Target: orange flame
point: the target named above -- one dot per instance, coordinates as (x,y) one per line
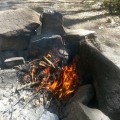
(66,82)
(45,79)
(33,73)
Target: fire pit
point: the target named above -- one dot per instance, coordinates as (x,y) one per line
(65,76)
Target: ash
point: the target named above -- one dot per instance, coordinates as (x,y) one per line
(22,104)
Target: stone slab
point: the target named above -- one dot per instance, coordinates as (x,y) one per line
(52,23)
(40,45)
(14,61)
(82,35)
(81,32)
(17,27)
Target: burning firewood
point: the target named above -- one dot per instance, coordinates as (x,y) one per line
(27,85)
(49,62)
(49,73)
(44,64)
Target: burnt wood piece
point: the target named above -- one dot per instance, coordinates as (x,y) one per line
(105,75)
(49,62)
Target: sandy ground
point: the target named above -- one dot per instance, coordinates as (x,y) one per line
(80,14)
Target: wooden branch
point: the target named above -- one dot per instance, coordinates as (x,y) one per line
(49,62)
(44,64)
(27,85)
(35,60)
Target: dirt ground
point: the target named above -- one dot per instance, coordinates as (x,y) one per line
(77,14)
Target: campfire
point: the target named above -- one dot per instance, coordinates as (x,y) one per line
(52,73)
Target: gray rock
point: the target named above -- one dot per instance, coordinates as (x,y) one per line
(14,61)
(106,78)
(5,55)
(41,45)
(17,27)
(78,111)
(8,54)
(49,116)
(8,78)
(82,35)
(52,23)
(1,61)
(84,94)
(38,30)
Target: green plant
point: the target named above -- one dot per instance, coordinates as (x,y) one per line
(113,6)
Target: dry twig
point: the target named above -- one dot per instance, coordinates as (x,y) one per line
(27,85)
(44,64)
(49,62)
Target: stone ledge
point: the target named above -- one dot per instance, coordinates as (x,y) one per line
(17,27)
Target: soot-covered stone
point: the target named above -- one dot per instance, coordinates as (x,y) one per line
(105,76)
(52,23)
(41,45)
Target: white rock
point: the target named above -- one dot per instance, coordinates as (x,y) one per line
(49,116)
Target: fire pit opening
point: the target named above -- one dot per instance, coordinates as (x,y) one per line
(53,76)
(53,73)
(57,74)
